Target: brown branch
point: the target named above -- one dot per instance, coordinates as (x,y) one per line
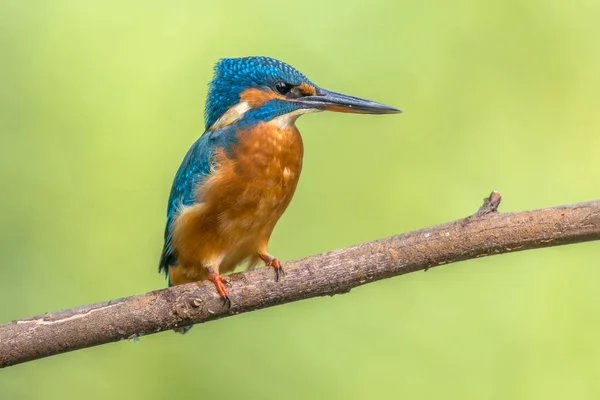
(487,232)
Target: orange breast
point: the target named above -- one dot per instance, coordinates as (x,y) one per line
(242,200)
(252,189)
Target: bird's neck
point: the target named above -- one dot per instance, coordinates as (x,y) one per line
(243,115)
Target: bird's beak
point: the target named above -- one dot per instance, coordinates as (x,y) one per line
(332,101)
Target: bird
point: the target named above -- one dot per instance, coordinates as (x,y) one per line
(239,176)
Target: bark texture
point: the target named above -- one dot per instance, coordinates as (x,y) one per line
(487,232)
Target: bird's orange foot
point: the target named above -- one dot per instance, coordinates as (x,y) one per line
(220,282)
(273,263)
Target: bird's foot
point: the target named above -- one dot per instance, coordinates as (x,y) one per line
(273,263)
(219,283)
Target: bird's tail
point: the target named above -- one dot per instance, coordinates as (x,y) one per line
(183,330)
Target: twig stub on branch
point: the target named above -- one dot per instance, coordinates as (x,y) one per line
(490,204)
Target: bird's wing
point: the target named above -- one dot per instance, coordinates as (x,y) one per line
(194,168)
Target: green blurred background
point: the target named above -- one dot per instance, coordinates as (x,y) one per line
(99,101)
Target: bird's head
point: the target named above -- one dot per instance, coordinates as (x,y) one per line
(262,88)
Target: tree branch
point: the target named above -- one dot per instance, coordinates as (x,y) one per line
(485,233)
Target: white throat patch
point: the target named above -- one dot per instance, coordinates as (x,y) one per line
(285,120)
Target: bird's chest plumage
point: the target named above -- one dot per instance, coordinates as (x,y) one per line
(255,180)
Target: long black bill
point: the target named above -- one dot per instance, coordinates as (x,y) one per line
(332,101)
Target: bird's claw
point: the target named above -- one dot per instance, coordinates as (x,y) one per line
(279,272)
(226,301)
(275,264)
(220,283)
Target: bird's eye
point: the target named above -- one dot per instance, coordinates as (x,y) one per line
(283,88)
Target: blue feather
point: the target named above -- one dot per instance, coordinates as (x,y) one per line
(194,168)
(234,75)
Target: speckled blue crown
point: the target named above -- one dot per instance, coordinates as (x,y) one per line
(234,75)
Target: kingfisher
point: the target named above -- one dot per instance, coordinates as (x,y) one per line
(239,176)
